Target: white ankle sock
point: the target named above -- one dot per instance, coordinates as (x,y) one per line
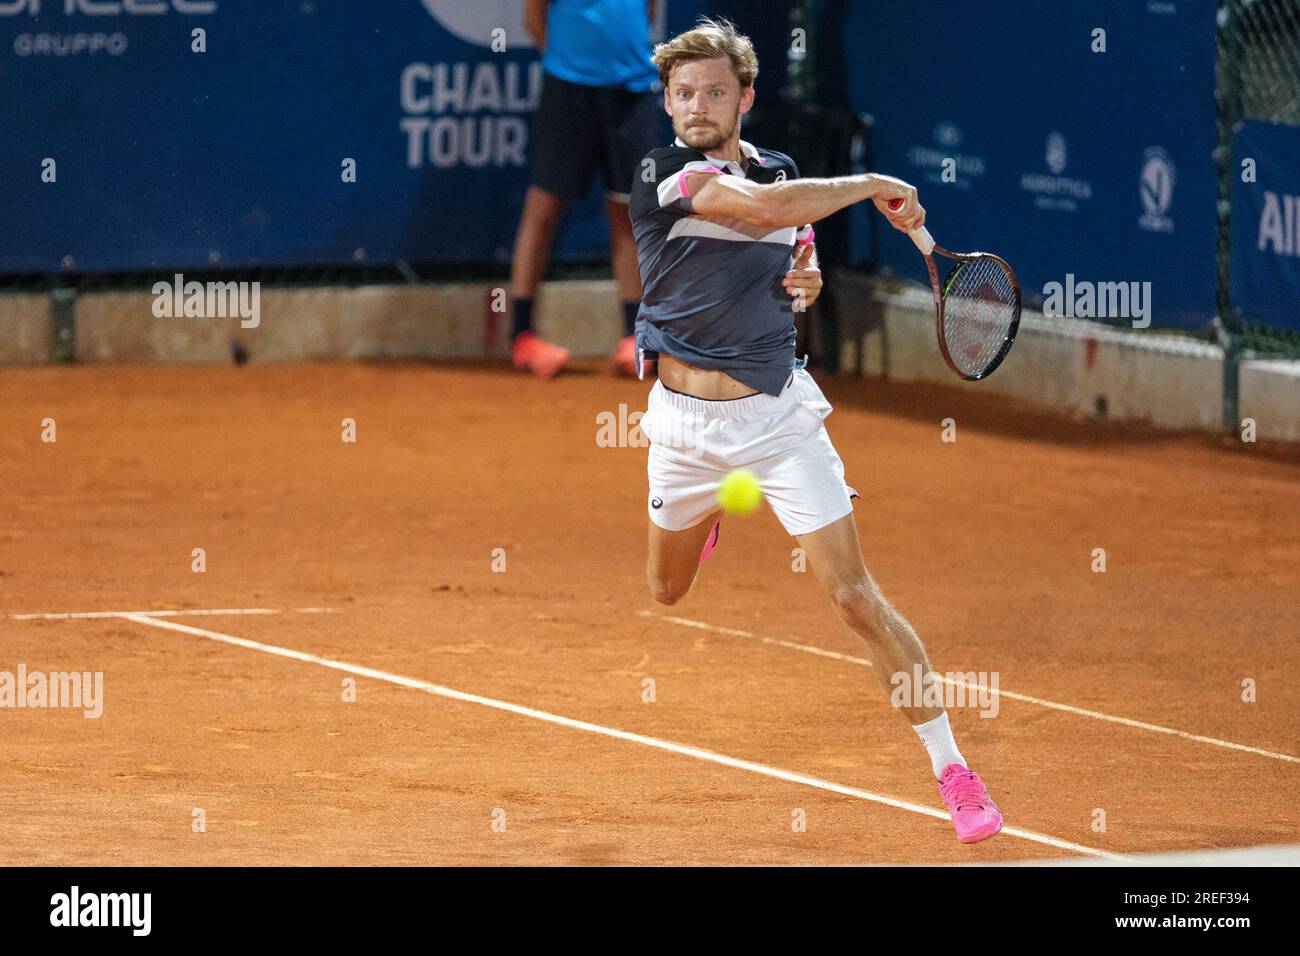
(937,736)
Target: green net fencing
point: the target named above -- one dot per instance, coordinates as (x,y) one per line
(1258,77)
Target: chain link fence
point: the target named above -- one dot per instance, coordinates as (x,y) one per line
(1257,77)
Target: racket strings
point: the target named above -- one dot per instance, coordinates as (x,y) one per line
(979,311)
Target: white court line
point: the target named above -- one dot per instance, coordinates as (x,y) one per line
(203,612)
(1010,695)
(659,744)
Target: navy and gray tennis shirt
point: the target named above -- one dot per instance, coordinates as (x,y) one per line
(712,290)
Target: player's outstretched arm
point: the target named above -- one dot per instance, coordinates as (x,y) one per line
(800,201)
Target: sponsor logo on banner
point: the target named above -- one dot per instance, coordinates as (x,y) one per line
(474,20)
(1056,153)
(942,163)
(90,43)
(472,114)
(1279,224)
(1051,190)
(1156,188)
(468,114)
(947,134)
(105,8)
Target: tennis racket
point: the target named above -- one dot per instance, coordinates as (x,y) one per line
(977,306)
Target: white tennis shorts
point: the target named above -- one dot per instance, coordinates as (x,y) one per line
(781,439)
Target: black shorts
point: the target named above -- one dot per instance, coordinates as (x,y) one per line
(579,129)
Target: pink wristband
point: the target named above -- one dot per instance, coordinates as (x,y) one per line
(681,179)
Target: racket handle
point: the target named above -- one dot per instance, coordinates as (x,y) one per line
(920,236)
(923,240)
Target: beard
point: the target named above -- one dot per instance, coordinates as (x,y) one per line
(710,136)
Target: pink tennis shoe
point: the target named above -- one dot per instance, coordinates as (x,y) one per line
(712,542)
(974,815)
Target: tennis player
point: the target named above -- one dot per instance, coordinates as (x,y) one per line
(725,245)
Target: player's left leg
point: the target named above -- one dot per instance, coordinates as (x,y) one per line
(675,559)
(683,470)
(836,557)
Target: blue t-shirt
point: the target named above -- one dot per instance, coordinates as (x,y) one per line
(600,43)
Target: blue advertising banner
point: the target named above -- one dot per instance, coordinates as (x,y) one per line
(1075,140)
(1266,224)
(138,134)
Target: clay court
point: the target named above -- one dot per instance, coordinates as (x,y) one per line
(516,696)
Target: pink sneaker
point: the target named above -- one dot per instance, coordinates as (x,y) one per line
(974,815)
(538,356)
(712,542)
(623,361)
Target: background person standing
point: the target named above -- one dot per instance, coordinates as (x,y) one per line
(599,112)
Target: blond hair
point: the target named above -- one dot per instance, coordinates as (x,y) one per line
(709,40)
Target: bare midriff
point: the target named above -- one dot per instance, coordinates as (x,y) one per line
(710,384)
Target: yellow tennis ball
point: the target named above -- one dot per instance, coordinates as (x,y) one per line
(739,493)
